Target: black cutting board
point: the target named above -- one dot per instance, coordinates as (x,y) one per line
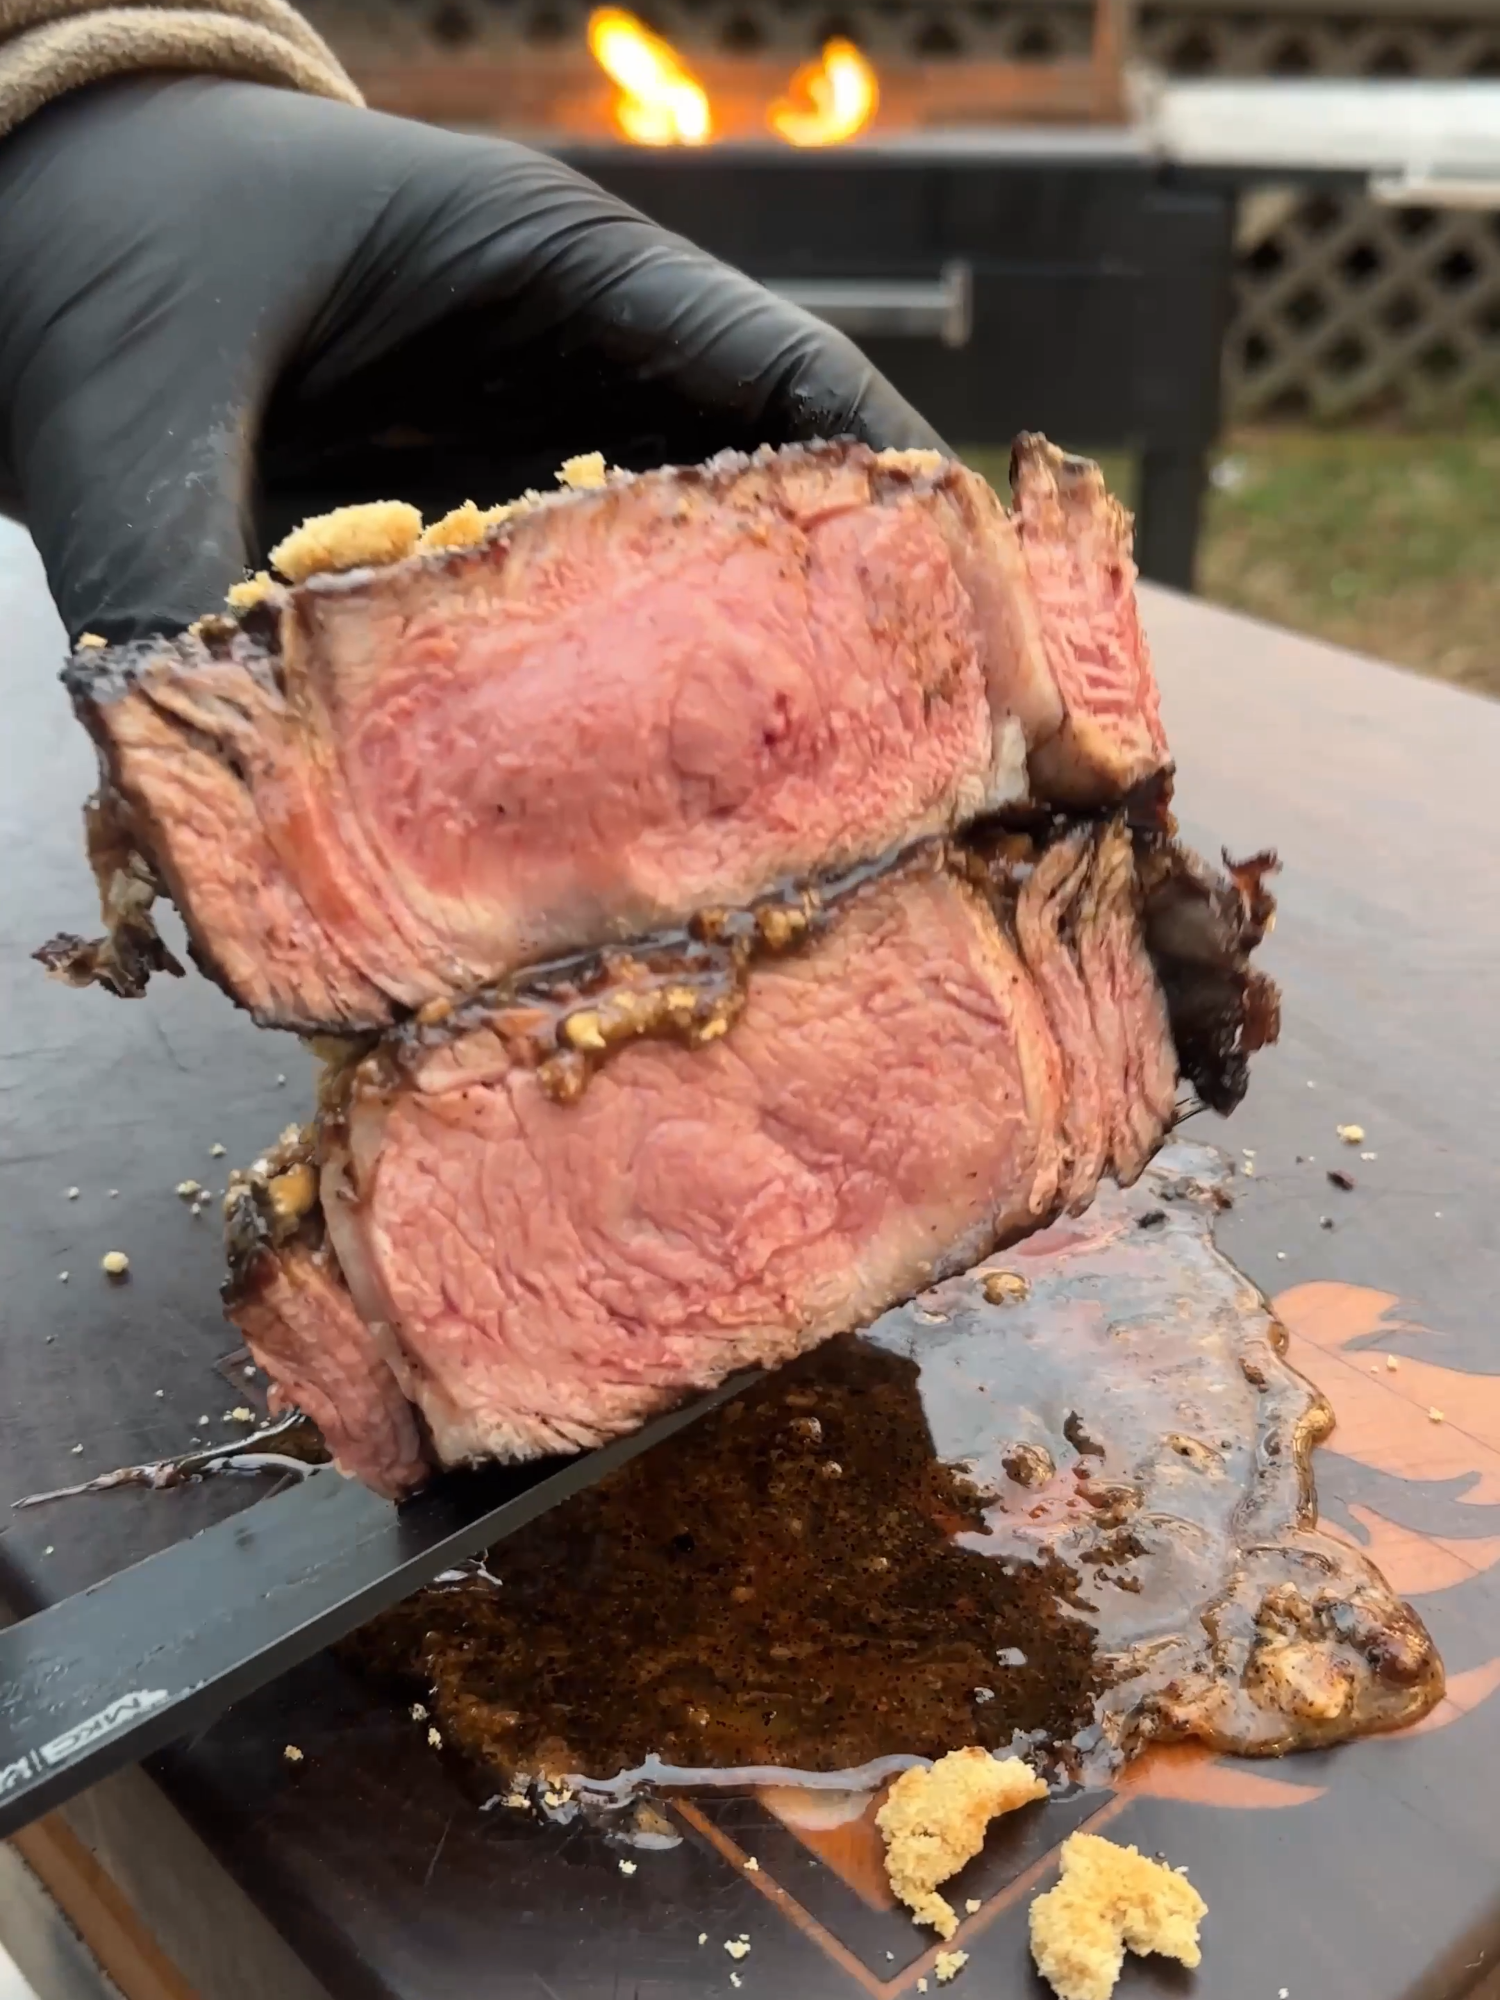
(1372,1873)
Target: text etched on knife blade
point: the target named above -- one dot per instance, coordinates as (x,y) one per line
(124,1709)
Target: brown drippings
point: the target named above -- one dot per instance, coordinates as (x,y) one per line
(1083,1515)
(725,1602)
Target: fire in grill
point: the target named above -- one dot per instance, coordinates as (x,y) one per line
(609,74)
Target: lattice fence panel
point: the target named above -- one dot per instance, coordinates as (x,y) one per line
(1343,307)
(1199,41)
(1185,40)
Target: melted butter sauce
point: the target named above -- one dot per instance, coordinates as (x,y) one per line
(1062,1503)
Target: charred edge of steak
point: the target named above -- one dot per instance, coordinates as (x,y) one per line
(1200,928)
(567,1016)
(269,1205)
(118,838)
(123,960)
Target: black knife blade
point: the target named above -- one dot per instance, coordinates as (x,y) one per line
(107,1676)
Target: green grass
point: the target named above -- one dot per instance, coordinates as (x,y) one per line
(1384,540)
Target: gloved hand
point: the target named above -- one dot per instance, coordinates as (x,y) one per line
(223,306)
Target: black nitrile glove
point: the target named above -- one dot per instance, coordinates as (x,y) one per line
(224,305)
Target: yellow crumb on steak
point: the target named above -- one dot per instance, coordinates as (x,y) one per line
(584,472)
(465,527)
(254,589)
(379,531)
(918,462)
(934,1820)
(1109,1898)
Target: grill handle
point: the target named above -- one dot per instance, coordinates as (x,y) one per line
(889,308)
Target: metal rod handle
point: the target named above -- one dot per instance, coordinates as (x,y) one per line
(889,308)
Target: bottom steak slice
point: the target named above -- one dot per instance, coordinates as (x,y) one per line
(555,1215)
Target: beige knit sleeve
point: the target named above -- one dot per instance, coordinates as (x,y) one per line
(51,46)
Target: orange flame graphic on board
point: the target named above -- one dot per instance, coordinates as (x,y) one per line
(1413,1419)
(1385,1423)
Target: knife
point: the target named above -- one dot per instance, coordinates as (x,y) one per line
(105,1677)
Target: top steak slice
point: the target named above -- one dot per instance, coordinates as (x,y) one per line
(388,787)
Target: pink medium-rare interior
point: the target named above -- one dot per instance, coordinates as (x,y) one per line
(625,705)
(600,730)
(323,1359)
(195,753)
(879,1113)
(1076,541)
(919,1082)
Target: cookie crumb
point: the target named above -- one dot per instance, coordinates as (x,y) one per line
(369,533)
(292,1754)
(1107,1898)
(114,1263)
(584,473)
(973,1904)
(1352,1135)
(1435,1417)
(934,1819)
(435,1738)
(418,1712)
(752,1865)
(737,1948)
(627,1867)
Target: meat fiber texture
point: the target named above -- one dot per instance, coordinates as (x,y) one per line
(734,898)
(389,787)
(537,1264)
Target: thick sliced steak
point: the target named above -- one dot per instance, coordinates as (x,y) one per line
(577,1199)
(389,787)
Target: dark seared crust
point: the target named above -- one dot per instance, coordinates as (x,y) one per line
(1200,929)
(685,985)
(119,831)
(123,960)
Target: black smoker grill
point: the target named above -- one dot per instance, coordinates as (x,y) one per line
(1007,273)
(1006,281)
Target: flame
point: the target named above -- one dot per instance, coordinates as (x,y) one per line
(661,102)
(842,90)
